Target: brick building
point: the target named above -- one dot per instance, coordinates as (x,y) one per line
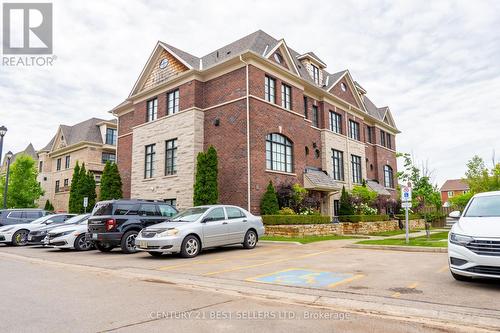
(451,188)
(271,113)
(92,142)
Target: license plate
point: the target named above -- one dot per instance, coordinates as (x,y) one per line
(143,244)
(94,236)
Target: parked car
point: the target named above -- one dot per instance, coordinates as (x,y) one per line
(37,236)
(17,216)
(199,228)
(474,241)
(71,235)
(117,222)
(17,234)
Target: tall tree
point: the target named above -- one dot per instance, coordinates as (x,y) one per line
(345,205)
(74,190)
(24,188)
(206,190)
(111,183)
(269,203)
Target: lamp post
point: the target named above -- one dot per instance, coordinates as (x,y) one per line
(3,130)
(9,157)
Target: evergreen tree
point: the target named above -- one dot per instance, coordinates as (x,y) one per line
(116,185)
(74,190)
(269,203)
(48,206)
(345,207)
(111,183)
(89,191)
(106,182)
(206,190)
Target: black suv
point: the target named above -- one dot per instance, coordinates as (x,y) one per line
(117,222)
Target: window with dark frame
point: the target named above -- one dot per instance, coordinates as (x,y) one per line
(57,186)
(388,176)
(338,164)
(356,169)
(315,71)
(152,109)
(67,162)
(315,116)
(335,122)
(354,130)
(149,161)
(270,89)
(111,136)
(382,138)
(286,96)
(58,164)
(369,134)
(173,102)
(108,157)
(66,182)
(388,141)
(40,166)
(171,157)
(279,153)
(305,108)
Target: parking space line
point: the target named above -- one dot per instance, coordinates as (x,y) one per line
(355,277)
(237,268)
(216,260)
(411,286)
(443,269)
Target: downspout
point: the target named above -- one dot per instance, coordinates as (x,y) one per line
(248,131)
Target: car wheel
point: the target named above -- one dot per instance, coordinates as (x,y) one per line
(155,254)
(250,239)
(82,243)
(191,246)
(128,242)
(459,277)
(20,237)
(103,247)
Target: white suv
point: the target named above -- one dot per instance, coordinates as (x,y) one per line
(474,241)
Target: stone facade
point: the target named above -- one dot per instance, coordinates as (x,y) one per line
(187,128)
(343,228)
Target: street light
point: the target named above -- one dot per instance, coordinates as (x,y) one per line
(9,157)
(3,130)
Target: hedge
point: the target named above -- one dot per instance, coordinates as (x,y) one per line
(363,218)
(296,219)
(413,216)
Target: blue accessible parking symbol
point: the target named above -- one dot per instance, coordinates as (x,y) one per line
(305,278)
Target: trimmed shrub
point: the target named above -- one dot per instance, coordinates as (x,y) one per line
(296,219)
(269,203)
(412,216)
(286,211)
(363,218)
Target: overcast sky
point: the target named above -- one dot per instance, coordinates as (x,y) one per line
(434,63)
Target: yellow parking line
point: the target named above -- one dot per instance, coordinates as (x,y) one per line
(443,269)
(237,268)
(355,277)
(411,286)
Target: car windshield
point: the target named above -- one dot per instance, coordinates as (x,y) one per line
(42,219)
(488,206)
(189,215)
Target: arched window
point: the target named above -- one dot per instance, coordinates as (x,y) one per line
(279,153)
(388,177)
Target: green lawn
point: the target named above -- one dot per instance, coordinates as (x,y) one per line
(393,232)
(436,240)
(305,239)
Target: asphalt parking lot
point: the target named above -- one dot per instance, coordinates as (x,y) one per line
(325,269)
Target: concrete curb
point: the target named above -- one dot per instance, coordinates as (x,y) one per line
(399,248)
(280,242)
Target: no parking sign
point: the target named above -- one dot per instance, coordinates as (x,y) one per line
(405,193)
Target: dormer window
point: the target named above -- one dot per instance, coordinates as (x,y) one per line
(315,71)
(278,58)
(111,136)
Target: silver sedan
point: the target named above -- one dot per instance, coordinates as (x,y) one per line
(199,228)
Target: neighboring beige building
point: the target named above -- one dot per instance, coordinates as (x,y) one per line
(92,142)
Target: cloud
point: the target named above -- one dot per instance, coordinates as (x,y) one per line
(434,63)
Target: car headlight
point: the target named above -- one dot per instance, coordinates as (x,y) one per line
(460,239)
(67,232)
(168,232)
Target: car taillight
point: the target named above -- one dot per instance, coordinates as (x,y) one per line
(110,224)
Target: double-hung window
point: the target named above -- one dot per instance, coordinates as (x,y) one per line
(338,164)
(270,89)
(354,130)
(315,116)
(173,102)
(356,169)
(286,96)
(315,71)
(171,157)
(151,111)
(149,161)
(335,122)
(111,136)
(67,162)
(388,177)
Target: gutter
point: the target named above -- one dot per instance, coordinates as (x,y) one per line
(248,131)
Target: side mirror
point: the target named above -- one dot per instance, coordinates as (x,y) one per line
(206,219)
(48,222)
(455,214)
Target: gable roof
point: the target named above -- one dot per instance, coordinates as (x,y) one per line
(454,185)
(87,131)
(312,56)
(29,150)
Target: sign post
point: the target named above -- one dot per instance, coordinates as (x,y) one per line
(406,204)
(85,203)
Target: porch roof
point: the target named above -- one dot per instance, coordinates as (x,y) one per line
(320,181)
(377,188)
